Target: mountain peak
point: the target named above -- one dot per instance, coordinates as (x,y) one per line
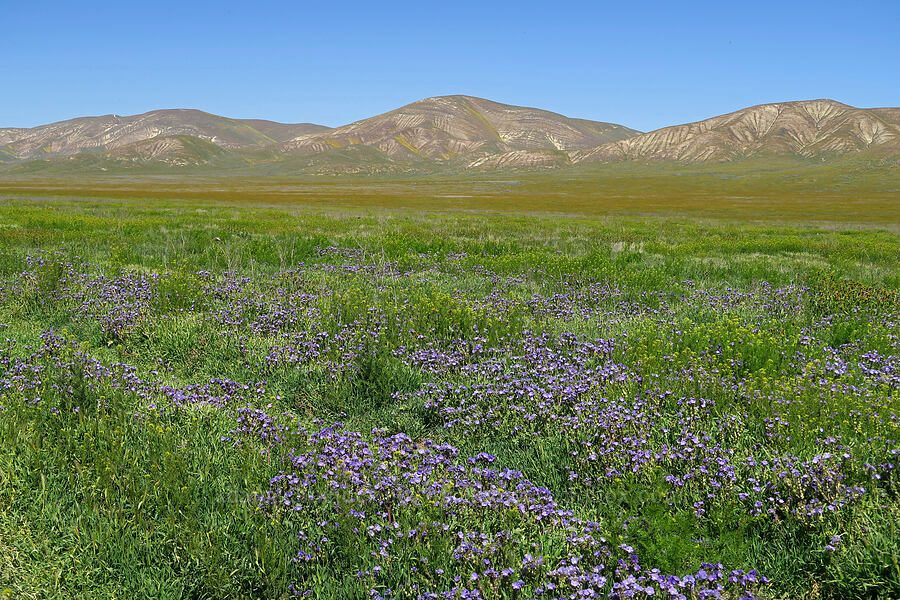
(445,128)
(108,132)
(454,131)
(807,128)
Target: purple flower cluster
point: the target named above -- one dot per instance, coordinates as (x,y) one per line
(400,502)
(698,403)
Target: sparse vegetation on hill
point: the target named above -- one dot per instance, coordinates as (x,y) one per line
(448,134)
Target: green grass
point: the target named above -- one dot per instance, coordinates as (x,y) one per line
(97,504)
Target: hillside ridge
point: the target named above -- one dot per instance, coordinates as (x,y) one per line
(451,133)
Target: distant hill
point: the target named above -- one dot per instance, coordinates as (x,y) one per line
(445,133)
(170,149)
(444,128)
(811,129)
(100,134)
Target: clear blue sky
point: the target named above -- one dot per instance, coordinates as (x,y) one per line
(641,64)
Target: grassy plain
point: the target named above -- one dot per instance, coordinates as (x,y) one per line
(748,316)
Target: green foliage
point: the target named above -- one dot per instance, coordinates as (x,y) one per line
(178,290)
(144,508)
(834,294)
(112,506)
(10,264)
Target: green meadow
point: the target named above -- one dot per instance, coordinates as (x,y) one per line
(566,384)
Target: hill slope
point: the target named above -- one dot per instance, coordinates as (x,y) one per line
(449,134)
(448,127)
(99,134)
(814,128)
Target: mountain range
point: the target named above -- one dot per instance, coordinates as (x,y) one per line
(445,132)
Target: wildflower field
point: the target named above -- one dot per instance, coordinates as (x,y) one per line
(203,400)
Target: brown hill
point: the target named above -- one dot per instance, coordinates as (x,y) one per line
(98,134)
(447,127)
(446,133)
(814,128)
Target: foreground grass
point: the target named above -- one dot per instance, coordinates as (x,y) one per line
(112,490)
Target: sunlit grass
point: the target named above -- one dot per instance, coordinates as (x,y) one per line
(752,333)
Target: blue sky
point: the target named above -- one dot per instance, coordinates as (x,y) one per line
(641,64)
